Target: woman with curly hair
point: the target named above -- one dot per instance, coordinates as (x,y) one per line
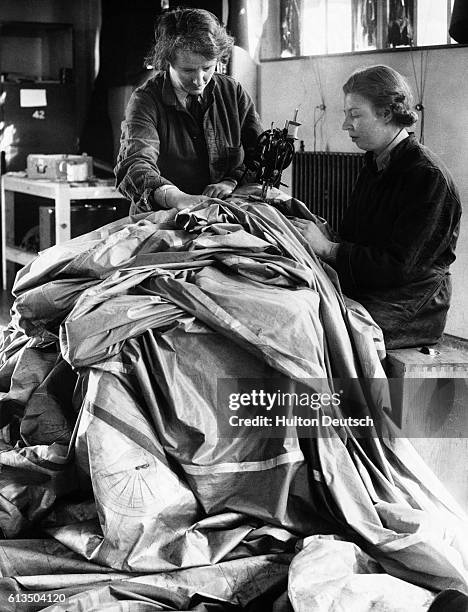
(398,236)
(188,129)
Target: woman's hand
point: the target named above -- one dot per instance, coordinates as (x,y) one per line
(324,248)
(171,196)
(255,189)
(220,190)
(187,200)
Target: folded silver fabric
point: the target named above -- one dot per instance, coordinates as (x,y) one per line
(152,313)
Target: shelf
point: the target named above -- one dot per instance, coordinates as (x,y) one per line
(87,190)
(19,255)
(62,193)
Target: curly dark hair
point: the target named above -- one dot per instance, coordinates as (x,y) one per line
(188,29)
(384,87)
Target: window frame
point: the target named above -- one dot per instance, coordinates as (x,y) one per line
(273,47)
(365,52)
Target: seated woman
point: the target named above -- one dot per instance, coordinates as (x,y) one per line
(397,238)
(187,130)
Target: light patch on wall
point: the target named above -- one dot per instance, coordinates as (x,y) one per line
(8,141)
(257,14)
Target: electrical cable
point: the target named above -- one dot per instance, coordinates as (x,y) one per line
(320,107)
(420,85)
(318,80)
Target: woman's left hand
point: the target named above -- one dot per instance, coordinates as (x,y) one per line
(220,190)
(324,248)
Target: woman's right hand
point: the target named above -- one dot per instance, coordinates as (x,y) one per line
(187,200)
(318,242)
(172,197)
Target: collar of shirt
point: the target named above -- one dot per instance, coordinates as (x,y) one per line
(181,94)
(171,95)
(383,159)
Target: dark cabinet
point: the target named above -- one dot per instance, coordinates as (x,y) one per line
(37,94)
(36,118)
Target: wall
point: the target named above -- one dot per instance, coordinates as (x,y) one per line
(287,84)
(245,69)
(84,15)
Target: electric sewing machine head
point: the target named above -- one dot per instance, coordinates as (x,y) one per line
(273,153)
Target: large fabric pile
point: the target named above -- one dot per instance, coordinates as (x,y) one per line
(119,486)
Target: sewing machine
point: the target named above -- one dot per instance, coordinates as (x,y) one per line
(273,153)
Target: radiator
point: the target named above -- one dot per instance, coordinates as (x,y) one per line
(324,181)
